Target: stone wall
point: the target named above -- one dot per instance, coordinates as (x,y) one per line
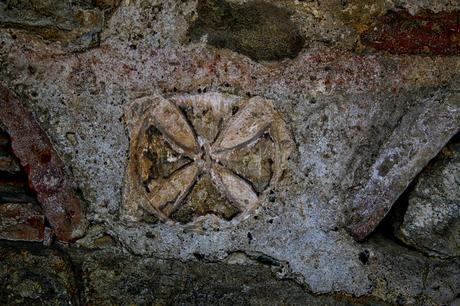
(229,152)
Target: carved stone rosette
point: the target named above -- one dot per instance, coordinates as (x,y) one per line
(199,156)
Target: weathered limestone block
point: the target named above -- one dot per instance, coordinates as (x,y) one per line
(415,278)
(432,220)
(441,282)
(420,135)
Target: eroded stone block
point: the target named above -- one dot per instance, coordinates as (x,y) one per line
(198,155)
(33,276)
(432,220)
(115,279)
(419,137)
(260,30)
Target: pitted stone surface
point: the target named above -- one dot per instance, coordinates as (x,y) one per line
(33,276)
(196,155)
(432,221)
(344,108)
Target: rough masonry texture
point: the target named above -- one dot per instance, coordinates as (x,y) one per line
(431,222)
(327,195)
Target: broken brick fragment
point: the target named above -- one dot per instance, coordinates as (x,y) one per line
(21,221)
(45,169)
(425,33)
(8,162)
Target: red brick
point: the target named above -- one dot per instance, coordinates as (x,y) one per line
(45,169)
(429,33)
(22,221)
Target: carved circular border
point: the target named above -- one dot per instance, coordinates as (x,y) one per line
(144,112)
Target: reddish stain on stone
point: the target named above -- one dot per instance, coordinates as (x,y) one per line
(21,222)
(45,157)
(44,168)
(424,33)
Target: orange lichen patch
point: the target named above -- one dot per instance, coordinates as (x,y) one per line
(45,169)
(425,33)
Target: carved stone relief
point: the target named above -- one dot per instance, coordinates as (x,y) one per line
(194,156)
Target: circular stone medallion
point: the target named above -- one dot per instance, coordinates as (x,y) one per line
(198,156)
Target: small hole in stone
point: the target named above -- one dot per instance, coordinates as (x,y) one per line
(250,237)
(199,256)
(364,257)
(31,69)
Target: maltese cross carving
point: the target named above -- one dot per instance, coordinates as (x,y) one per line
(194,157)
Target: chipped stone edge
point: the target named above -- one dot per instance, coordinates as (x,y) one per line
(45,169)
(420,136)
